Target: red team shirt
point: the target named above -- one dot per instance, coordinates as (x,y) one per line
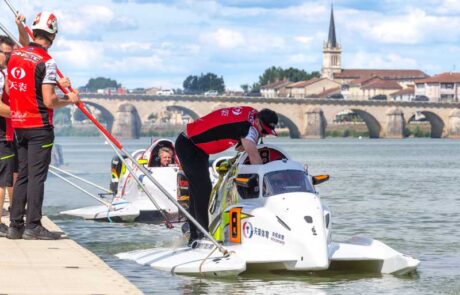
(28,69)
(6,130)
(222,129)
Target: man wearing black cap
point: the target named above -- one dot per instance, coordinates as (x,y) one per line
(212,134)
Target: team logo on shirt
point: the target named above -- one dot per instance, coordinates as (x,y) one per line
(224,112)
(237,111)
(18,116)
(18,73)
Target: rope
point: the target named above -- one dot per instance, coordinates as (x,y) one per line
(201,264)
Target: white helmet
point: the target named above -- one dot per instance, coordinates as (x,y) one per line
(45,21)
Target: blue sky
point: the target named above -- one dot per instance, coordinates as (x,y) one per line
(147,43)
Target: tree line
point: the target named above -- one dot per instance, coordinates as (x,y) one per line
(196,84)
(274,74)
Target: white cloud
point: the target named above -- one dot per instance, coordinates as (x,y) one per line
(132,46)
(225,38)
(78,54)
(308,11)
(137,63)
(305,40)
(297,59)
(416,26)
(85,20)
(449,7)
(366,60)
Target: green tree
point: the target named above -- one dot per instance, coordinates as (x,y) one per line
(273,74)
(245,88)
(191,84)
(101,83)
(255,87)
(202,83)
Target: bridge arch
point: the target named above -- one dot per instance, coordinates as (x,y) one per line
(285,122)
(437,124)
(184,110)
(105,114)
(374,127)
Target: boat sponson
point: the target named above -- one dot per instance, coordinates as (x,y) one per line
(188,261)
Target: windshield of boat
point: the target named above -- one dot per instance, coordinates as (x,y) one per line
(286,181)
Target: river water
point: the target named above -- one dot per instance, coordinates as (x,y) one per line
(404,193)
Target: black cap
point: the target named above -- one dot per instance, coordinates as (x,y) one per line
(269,120)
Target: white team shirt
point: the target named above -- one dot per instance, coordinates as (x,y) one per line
(253,135)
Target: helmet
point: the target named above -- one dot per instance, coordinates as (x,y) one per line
(269,120)
(46,21)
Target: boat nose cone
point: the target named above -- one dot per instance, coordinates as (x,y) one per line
(306,238)
(313,255)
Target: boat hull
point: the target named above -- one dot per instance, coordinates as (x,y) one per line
(123,214)
(359,255)
(203,261)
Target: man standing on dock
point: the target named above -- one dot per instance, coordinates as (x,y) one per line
(212,134)
(31,84)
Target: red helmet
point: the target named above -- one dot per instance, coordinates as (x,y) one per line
(46,21)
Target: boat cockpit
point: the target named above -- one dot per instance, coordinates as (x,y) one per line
(152,154)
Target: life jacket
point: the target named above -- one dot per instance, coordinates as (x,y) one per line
(6,130)
(221,129)
(26,71)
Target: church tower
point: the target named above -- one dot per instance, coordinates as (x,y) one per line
(332,53)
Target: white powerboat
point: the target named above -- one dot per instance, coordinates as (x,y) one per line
(270,217)
(130,203)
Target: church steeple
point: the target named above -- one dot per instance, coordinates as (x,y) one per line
(331,52)
(332,40)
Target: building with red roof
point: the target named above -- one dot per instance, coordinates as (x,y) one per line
(444,87)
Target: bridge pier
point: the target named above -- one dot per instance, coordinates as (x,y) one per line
(127,123)
(454,124)
(395,123)
(315,123)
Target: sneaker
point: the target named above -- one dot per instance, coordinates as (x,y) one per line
(3,230)
(15,233)
(39,233)
(191,241)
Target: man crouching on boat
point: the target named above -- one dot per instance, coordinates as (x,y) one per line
(212,134)
(32,77)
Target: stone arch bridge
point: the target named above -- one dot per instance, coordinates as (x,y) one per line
(305,118)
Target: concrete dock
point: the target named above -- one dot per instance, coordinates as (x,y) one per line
(56,267)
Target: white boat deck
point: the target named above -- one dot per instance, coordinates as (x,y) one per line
(56,267)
